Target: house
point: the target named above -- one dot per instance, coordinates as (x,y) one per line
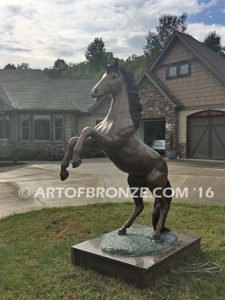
(183,94)
(37,112)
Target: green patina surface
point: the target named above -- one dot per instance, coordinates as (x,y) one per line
(137,242)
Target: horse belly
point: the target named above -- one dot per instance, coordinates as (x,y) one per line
(134,160)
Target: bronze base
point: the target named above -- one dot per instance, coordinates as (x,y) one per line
(141,271)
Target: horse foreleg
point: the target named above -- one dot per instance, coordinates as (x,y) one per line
(88,132)
(67,157)
(135,183)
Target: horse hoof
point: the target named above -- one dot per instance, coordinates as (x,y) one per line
(64,175)
(122,232)
(157,237)
(76,164)
(165,230)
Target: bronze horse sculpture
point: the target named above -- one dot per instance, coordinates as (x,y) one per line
(117,138)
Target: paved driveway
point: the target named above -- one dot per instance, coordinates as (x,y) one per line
(36,185)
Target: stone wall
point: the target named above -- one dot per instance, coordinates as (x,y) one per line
(155,105)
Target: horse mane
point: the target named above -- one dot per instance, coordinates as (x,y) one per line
(133,96)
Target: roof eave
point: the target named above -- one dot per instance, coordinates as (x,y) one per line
(96,104)
(167,45)
(202,59)
(172,99)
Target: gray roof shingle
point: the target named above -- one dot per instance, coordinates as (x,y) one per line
(32,89)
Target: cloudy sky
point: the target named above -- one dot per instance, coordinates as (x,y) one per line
(40,31)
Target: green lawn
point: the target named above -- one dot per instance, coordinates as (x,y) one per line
(35,254)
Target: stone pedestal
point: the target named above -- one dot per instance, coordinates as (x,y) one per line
(138,270)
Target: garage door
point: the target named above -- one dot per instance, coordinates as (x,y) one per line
(206,137)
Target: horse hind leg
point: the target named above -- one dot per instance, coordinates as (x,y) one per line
(168,199)
(135,183)
(157,182)
(160,204)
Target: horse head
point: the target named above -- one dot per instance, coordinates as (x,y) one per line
(110,83)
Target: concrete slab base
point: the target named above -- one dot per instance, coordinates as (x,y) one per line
(140,271)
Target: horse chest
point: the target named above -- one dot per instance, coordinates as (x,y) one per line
(106,127)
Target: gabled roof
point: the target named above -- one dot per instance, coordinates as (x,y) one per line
(214,61)
(33,90)
(161,87)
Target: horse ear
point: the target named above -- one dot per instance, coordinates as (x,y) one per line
(116,63)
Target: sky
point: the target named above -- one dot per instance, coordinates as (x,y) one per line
(40,31)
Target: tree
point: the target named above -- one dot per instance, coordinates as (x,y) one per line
(136,64)
(96,53)
(168,24)
(213,41)
(109,58)
(10,66)
(60,64)
(23,66)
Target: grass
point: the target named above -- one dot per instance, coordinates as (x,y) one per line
(35,254)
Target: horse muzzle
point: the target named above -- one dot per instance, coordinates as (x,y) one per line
(96,94)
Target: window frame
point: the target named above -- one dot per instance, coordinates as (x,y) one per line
(29,127)
(54,127)
(50,127)
(178,66)
(168,71)
(189,69)
(2,127)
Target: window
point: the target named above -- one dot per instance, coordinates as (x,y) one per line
(58,128)
(25,128)
(4,126)
(7,126)
(179,70)
(184,70)
(1,128)
(42,125)
(172,72)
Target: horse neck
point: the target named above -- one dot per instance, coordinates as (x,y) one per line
(120,106)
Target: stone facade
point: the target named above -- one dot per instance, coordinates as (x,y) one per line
(155,105)
(182,150)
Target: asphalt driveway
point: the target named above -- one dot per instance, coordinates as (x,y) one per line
(37,185)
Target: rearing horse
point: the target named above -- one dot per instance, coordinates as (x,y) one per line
(117,138)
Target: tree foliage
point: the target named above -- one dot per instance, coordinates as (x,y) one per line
(9,66)
(168,24)
(96,53)
(23,66)
(213,41)
(60,64)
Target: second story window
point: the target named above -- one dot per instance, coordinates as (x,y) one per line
(172,72)
(184,70)
(178,70)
